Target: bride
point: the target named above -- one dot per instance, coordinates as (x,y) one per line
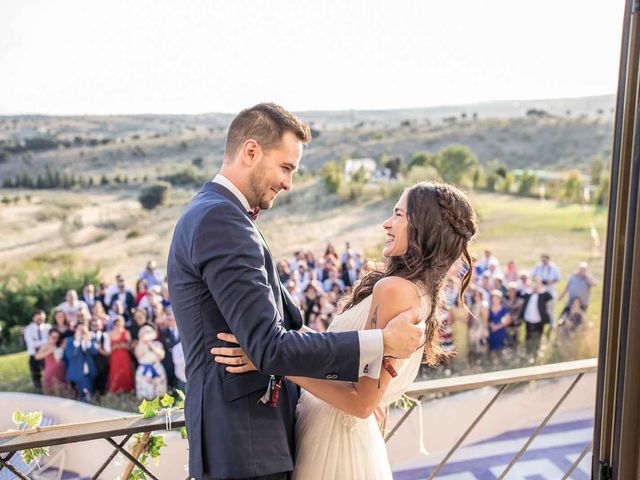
(337,436)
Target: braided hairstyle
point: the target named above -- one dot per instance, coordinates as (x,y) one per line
(442,222)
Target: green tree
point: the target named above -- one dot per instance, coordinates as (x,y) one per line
(528,180)
(331,176)
(154,195)
(596,168)
(423,159)
(455,162)
(602,192)
(572,187)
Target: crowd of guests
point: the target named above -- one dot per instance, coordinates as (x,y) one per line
(115,339)
(108,339)
(509,305)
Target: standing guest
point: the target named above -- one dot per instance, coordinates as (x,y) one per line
(347,254)
(486,261)
(101,296)
(81,368)
(35,336)
(548,272)
(61,324)
(179,366)
(478,324)
(550,275)
(97,312)
(573,318)
(332,277)
(309,300)
(120,368)
(89,295)
(310,259)
(141,290)
(349,273)
(578,286)
(511,272)
(152,275)
(514,302)
(73,308)
(535,313)
(124,295)
(498,284)
(498,321)
(165,298)
(169,338)
(52,353)
(524,284)
(284,272)
(101,359)
(140,319)
(485,286)
(117,310)
(151,379)
(331,253)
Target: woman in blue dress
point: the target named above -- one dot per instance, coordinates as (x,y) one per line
(498,321)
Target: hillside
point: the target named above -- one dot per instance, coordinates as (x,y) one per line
(567,135)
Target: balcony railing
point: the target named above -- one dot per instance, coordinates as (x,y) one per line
(501,379)
(125,427)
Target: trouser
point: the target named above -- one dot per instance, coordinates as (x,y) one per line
(36,367)
(532,339)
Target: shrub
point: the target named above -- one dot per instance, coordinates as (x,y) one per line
(332,176)
(135,232)
(20,295)
(528,180)
(154,195)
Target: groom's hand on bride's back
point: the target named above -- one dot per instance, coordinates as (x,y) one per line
(403,335)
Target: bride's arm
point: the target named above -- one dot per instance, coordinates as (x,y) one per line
(391,296)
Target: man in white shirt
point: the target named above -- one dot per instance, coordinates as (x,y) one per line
(36,335)
(550,275)
(74,309)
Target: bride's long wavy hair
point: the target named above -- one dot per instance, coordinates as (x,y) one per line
(441,223)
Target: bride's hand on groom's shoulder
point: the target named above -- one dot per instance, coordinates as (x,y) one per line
(234,357)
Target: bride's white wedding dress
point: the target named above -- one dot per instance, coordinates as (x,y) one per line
(333,445)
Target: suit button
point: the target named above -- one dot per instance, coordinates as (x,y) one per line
(331,376)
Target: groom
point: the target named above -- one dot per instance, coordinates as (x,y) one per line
(222,278)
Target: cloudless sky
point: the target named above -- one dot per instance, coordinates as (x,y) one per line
(196,56)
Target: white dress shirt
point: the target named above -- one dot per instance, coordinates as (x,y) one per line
(532,314)
(371,343)
(35,336)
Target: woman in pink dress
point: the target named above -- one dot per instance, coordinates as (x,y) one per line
(120,368)
(53,375)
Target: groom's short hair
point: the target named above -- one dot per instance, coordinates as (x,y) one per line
(266,123)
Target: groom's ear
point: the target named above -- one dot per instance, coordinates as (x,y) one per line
(250,152)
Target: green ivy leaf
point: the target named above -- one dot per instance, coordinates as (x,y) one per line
(148,408)
(180,403)
(156,442)
(183,433)
(167,400)
(33,454)
(26,420)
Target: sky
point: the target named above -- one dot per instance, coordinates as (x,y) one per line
(198,56)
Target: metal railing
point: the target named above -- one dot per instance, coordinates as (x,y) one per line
(501,379)
(125,427)
(13,441)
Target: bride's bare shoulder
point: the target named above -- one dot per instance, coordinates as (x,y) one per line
(397,289)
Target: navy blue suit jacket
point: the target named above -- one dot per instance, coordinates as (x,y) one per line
(222,278)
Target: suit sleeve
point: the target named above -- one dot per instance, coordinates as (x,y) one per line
(230,257)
